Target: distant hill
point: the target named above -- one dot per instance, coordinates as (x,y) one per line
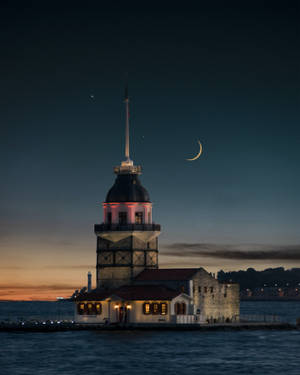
(270,277)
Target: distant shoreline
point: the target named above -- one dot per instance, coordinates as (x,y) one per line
(270,299)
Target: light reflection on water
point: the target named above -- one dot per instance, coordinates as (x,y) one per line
(138,352)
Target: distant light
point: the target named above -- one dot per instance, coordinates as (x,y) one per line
(116,306)
(128,307)
(92,96)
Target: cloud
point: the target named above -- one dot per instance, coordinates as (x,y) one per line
(237,252)
(70,267)
(51,267)
(34,287)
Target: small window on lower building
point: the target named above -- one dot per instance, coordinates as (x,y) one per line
(155,308)
(98,308)
(91,309)
(80,308)
(146,308)
(163,308)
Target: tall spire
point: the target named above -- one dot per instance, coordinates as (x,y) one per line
(126,101)
(127,166)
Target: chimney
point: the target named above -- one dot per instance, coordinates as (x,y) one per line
(89,277)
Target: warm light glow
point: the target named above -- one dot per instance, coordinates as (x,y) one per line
(128,307)
(116,306)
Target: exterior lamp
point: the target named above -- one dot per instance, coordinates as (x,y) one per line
(116,306)
(128,307)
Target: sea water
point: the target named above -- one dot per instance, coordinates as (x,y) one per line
(148,352)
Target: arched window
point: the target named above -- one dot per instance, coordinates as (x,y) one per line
(146,308)
(180,308)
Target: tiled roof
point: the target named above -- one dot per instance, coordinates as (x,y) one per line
(166,274)
(132,293)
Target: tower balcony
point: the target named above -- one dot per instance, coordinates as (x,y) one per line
(100,228)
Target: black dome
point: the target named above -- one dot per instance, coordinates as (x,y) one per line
(127,188)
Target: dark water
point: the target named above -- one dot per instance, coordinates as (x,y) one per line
(90,352)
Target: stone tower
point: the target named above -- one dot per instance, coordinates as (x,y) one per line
(127,240)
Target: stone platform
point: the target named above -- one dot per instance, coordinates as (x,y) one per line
(70,326)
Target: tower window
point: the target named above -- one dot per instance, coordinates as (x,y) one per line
(139,218)
(122,218)
(108,218)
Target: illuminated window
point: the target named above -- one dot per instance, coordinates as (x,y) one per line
(180,308)
(122,218)
(109,218)
(91,309)
(163,308)
(98,308)
(139,218)
(80,308)
(146,308)
(155,308)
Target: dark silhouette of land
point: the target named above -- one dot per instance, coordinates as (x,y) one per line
(271,283)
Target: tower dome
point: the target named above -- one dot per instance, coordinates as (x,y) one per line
(127,188)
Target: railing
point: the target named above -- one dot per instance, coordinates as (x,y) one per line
(126,227)
(183,319)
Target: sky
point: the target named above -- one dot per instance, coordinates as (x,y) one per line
(224,73)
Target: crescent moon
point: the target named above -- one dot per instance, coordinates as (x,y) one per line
(199,153)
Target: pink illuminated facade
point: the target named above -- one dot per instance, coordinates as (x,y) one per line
(136,212)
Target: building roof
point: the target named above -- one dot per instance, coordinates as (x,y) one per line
(132,293)
(167,274)
(127,188)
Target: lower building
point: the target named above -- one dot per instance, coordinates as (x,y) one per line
(177,296)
